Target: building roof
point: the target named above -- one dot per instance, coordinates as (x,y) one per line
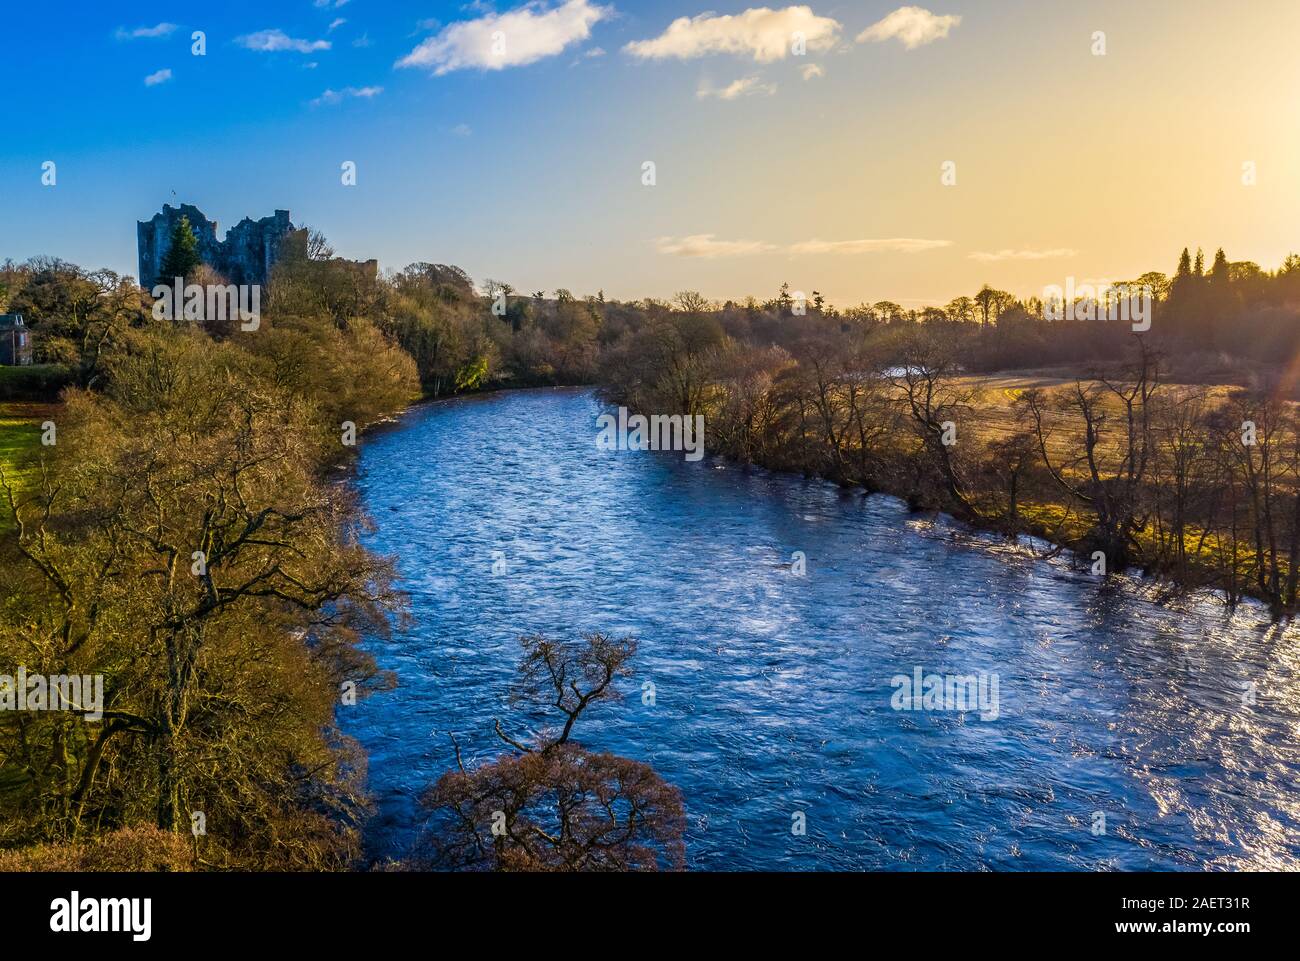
(11,320)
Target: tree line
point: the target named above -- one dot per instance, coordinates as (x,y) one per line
(1195,485)
(186,536)
(187,539)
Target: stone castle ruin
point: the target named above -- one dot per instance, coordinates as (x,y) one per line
(246,256)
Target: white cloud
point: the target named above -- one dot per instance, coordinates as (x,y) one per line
(811,71)
(274,41)
(330,3)
(331,97)
(591,54)
(517,37)
(705,245)
(896,245)
(913,26)
(737,88)
(337,22)
(760,32)
(998,255)
(162,76)
(161,30)
(462,130)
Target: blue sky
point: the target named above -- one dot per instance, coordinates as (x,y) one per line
(1069,163)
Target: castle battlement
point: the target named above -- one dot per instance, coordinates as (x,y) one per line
(246,255)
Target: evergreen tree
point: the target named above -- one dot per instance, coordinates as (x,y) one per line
(1219,272)
(183,253)
(1185,307)
(1220,306)
(1200,262)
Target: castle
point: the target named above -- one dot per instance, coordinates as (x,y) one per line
(246,256)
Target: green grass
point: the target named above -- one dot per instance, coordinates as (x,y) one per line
(17,438)
(20,437)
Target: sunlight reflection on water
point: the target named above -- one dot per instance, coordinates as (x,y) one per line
(773,691)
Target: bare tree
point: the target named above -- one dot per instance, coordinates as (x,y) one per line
(552,805)
(933,404)
(1114,471)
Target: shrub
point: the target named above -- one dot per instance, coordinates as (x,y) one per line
(128,849)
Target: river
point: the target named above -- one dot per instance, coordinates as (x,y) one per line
(1128,734)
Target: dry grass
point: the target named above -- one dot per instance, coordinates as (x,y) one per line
(996,411)
(129,849)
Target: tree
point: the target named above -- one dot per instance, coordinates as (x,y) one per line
(1009,463)
(1110,475)
(961,310)
(201,564)
(1156,282)
(887,311)
(182,253)
(1186,301)
(318,247)
(992,302)
(1219,270)
(79,313)
(933,404)
(552,805)
(690,302)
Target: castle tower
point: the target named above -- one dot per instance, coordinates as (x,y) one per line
(247,255)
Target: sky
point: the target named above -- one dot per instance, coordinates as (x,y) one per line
(864,149)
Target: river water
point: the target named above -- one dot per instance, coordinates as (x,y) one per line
(773,693)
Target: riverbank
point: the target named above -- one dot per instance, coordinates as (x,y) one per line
(998,412)
(1167,480)
(993,416)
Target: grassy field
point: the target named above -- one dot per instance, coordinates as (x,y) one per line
(993,402)
(20,436)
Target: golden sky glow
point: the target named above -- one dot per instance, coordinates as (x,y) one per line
(822,169)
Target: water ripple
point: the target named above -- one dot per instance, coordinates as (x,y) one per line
(773,691)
